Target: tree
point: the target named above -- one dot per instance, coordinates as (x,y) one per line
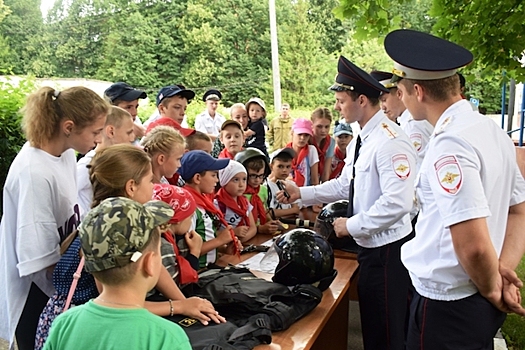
(492,30)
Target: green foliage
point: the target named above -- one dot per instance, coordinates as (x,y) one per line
(12,97)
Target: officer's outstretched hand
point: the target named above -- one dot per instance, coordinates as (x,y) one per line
(290,193)
(340,227)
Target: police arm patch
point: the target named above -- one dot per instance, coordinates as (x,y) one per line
(401,166)
(417,141)
(449,174)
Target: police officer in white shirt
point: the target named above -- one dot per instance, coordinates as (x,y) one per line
(209,121)
(472,197)
(385,165)
(418,131)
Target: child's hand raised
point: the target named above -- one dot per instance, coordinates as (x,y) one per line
(194,242)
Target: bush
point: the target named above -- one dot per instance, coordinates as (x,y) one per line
(12,98)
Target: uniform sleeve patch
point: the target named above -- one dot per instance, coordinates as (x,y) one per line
(401,166)
(417,141)
(449,175)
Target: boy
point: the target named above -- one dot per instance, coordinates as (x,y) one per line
(257,169)
(126,97)
(232,203)
(281,167)
(118,129)
(232,136)
(200,172)
(343,136)
(239,114)
(121,245)
(256,135)
(172,102)
(198,141)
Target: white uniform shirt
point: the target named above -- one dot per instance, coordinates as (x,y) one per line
(418,131)
(463,176)
(85,189)
(384,184)
(208,125)
(40,210)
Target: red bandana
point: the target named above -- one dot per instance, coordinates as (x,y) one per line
(239,207)
(225,154)
(258,206)
(186,273)
(339,157)
(298,178)
(321,151)
(203,201)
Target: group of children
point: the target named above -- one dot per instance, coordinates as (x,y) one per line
(217,204)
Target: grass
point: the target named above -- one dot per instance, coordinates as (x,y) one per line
(514,327)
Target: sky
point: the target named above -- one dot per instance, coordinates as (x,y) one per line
(46,6)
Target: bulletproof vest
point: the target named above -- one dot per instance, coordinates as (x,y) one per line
(238,294)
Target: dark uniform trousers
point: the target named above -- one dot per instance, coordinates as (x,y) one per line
(384,290)
(468,323)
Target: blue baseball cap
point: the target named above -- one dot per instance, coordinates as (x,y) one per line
(194,162)
(342,128)
(124,92)
(174,90)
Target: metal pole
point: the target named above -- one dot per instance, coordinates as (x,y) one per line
(522,119)
(275,59)
(512,102)
(503,98)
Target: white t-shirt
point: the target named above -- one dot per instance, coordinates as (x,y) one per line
(304,166)
(40,210)
(463,177)
(232,218)
(85,189)
(274,203)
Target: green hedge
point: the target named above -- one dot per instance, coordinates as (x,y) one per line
(12,98)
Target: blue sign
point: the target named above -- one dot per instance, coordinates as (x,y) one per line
(474,101)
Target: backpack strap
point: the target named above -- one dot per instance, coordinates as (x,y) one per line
(76,277)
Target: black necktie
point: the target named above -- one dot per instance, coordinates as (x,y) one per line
(350,211)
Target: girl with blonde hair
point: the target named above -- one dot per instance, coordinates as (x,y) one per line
(40,201)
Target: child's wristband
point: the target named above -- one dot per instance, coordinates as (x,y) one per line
(171,307)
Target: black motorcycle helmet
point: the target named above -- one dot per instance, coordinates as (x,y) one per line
(304,258)
(324,226)
(252,153)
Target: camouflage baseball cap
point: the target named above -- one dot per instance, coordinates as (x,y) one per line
(115,232)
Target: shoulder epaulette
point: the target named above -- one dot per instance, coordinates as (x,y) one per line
(443,126)
(390,133)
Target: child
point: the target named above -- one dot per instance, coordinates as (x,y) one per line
(232,136)
(343,136)
(281,166)
(305,164)
(199,170)
(116,171)
(126,97)
(198,141)
(257,169)
(256,133)
(165,146)
(172,102)
(118,129)
(40,201)
(325,144)
(126,268)
(239,114)
(232,203)
(182,266)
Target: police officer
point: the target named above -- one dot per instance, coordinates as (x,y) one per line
(210,121)
(382,161)
(472,204)
(418,131)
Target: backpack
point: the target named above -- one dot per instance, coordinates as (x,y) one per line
(238,294)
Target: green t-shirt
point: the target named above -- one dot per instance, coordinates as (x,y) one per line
(92,326)
(263,193)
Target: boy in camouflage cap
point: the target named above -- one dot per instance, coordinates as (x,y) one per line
(121,245)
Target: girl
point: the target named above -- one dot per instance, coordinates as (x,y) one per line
(323,142)
(165,146)
(256,135)
(343,136)
(181,262)
(232,203)
(119,170)
(40,201)
(305,170)
(118,129)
